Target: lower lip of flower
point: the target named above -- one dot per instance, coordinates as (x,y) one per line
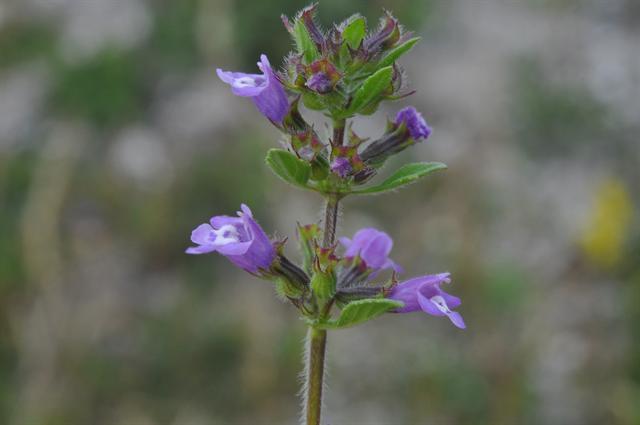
(440,304)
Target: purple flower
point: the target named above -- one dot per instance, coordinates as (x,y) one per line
(240,239)
(341,166)
(408,128)
(373,246)
(320,83)
(424,293)
(417,126)
(267,92)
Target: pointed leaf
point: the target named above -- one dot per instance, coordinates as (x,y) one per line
(361,311)
(407,174)
(304,43)
(288,167)
(371,89)
(395,53)
(354,32)
(313,101)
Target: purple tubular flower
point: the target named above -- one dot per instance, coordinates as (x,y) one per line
(265,90)
(373,246)
(240,239)
(424,293)
(417,126)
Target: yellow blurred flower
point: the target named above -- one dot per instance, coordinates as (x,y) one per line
(608,225)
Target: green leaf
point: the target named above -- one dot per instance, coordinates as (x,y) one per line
(407,174)
(304,43)
(354,32)
(288,167)
(371,89)
(361,311)
(313,101)
(398,51)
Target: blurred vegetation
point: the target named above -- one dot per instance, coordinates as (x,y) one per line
(105,90)
(553,119)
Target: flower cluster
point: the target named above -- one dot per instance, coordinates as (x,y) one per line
(342,71)
(346,277)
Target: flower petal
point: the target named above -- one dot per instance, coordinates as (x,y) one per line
(452,301)
(202,234)
(246,85)
(390,264)
(264,64)
(222,220)
(246,210)
(346,242)
(410,285)
(457,320)
(428,306)
(417,126)
(202,249)
(376,251)
(237,248)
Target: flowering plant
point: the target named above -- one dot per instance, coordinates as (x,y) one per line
(344,71)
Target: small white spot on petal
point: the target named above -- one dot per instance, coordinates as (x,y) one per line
(440,303)
(243,82)
(225,235)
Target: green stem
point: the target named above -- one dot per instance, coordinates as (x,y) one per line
(315,374)
(338,132)
(330,220)
(317,338)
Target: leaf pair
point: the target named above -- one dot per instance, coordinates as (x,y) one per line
(297,172)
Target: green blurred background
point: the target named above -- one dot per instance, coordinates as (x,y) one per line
(117,138)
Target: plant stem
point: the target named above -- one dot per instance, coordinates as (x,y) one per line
(315,374)
(338,132)
(331,209)
(330,220)
(317,338)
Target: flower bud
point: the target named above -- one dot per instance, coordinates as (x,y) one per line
(341,166)
(307,144)
(307,237)
(308,16)
(346,161)
(408,128)
(385,37)
(323,285)
(294,280)
(304,140)
(346,295)
(325,259)
(323,76)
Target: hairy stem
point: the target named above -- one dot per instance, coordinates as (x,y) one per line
(330,220)
(318,337)
(338,132)
(331,209)
(315,374)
